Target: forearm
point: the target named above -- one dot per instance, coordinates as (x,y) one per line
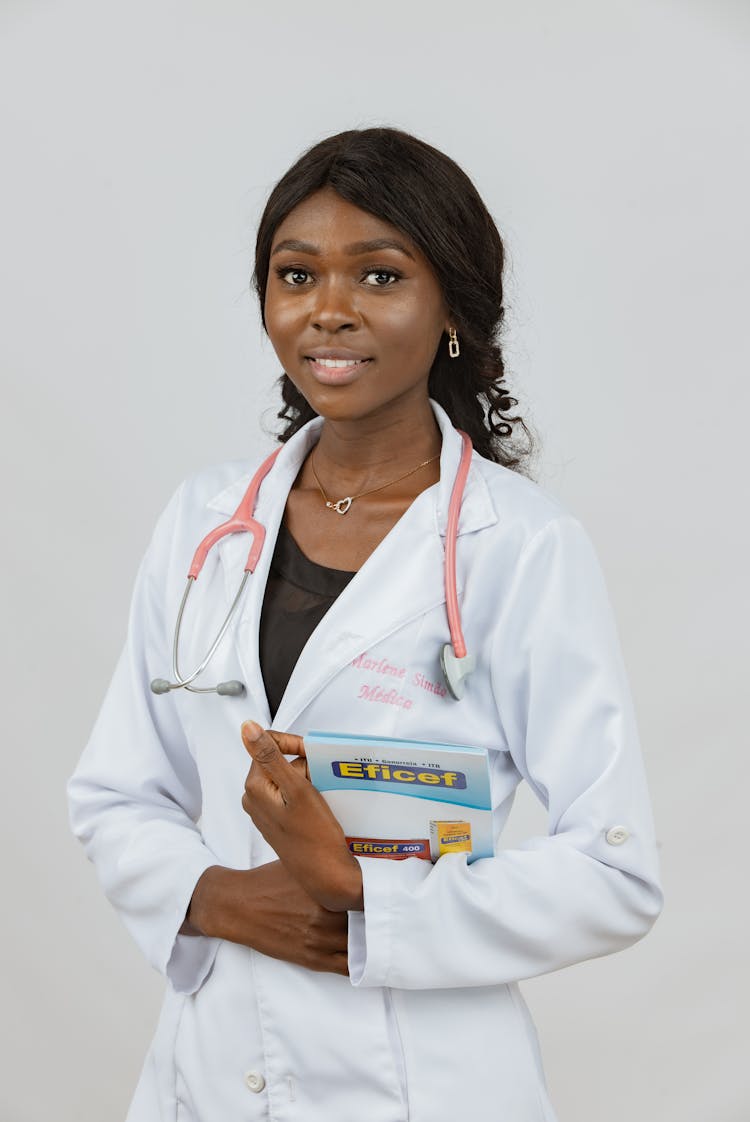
(297,822)
(220,896)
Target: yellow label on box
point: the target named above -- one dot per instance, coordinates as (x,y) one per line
(449,836)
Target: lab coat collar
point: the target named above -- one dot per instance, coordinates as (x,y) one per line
(477,508)
(384,595)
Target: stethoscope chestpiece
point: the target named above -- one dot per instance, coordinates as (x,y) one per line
(456,670)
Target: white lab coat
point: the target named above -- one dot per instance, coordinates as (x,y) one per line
(431,1025)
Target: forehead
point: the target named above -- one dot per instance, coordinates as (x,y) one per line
(332,224)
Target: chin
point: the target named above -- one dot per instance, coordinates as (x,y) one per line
(336,403)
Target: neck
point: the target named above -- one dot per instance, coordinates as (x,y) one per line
(359,449)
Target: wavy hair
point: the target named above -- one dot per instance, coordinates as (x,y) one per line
(418,189)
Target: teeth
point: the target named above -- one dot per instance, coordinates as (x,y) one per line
(338,362)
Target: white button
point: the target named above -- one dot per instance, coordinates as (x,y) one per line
(616,835)
(254,1081)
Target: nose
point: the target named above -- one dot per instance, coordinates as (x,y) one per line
(334,306)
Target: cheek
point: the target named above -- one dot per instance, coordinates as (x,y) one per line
(413,340)
(282,318)
(414,322)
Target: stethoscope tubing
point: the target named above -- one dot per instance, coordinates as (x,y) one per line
(242,521)
(451,538)
(185,683)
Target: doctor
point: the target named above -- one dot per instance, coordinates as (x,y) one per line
(304,983)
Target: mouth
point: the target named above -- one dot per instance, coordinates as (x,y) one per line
(336,371)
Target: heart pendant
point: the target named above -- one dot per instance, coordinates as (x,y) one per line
(341,506)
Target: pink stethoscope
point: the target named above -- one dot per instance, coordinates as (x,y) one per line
(456,663)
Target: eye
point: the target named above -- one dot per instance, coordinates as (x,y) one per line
(295,272)
(382,273)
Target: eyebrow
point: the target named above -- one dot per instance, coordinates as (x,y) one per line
(352,249)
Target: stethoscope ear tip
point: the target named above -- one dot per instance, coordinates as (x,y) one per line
(231,689)
(456,670)
(160,685)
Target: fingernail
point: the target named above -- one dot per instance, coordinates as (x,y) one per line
(251,730)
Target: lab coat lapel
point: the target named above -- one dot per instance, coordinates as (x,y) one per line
(402,579)
(398,582)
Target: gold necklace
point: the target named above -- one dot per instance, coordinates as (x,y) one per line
(342,505)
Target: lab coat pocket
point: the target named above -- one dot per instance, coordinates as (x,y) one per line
(469,1054)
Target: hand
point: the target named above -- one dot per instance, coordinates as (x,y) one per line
(265,908)
(297,822)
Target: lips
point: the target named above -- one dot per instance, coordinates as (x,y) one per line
(339,370)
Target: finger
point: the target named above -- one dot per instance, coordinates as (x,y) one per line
(289,744)
(266,752)
(340,964)
(300,766)
(261,789)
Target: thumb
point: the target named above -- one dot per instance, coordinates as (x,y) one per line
(266,752)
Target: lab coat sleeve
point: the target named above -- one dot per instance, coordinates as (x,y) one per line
(135,796)
(564,706)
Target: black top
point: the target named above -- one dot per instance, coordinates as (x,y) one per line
(298,594)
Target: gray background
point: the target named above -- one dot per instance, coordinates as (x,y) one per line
(609,140)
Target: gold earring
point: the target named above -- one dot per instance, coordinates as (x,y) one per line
(453,348)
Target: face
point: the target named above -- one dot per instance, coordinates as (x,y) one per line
(355,325)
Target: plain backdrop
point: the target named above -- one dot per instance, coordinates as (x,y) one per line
(610,141)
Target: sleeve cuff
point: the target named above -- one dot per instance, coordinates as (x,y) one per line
(191,956)
(384,882)
(190,962)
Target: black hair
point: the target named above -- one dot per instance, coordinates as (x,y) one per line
(418,189)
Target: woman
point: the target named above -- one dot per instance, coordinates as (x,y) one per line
(306,983)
